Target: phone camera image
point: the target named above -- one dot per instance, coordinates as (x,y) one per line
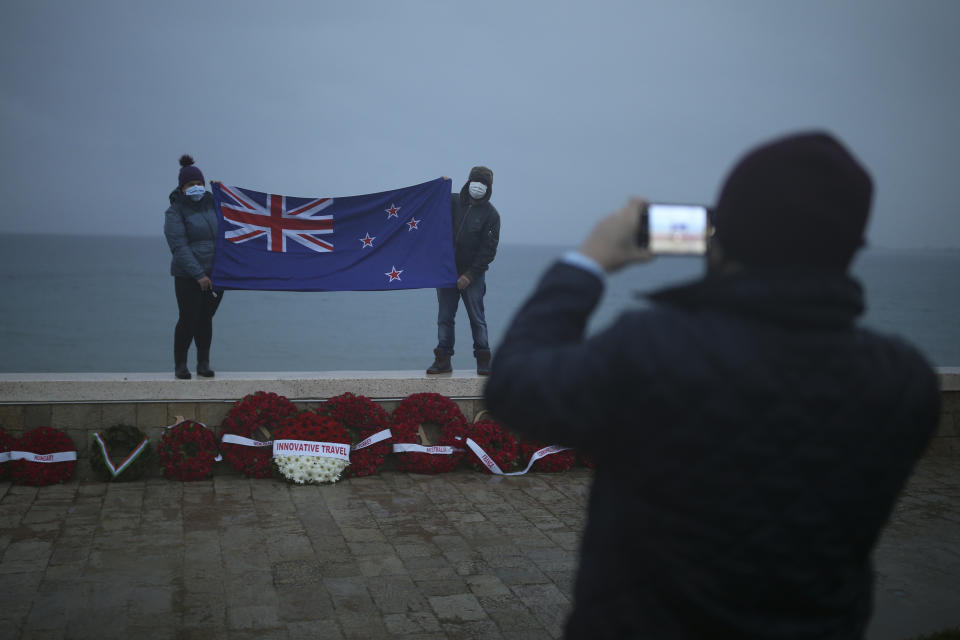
(677,229)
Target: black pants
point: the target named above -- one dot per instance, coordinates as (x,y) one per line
(196,317)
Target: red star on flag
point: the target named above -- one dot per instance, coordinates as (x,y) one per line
(392,211)
(367,241)
(413,224)
(393,274)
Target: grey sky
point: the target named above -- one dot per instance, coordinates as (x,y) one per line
(574,105)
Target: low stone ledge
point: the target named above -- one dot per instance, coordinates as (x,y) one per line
(103,388)
(949,378)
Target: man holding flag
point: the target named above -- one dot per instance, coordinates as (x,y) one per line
(404,238)
(476,234)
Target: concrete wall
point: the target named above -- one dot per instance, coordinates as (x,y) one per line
(83,403)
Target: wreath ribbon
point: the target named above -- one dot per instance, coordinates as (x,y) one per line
(312,449)
(495,468)
(61,456)
(232,438)
(379,436)
(406,447)
(115,469)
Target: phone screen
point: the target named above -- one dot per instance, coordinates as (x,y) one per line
(677,228)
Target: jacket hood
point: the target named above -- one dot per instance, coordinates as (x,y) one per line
(479,174)
(790,297)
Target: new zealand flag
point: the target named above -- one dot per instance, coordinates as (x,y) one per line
(398,239)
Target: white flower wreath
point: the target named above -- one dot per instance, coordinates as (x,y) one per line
(310,469)
(309,448)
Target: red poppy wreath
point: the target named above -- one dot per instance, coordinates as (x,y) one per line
(369,427)
(496,445)
(187,451)
(428,431)
(247,432)
(43,456)
(550,459)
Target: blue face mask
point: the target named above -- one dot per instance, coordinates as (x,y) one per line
(195,192)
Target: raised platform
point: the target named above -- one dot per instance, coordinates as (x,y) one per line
(46,388)
(949,378)
(78,388)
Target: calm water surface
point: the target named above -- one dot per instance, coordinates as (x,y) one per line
(107,304)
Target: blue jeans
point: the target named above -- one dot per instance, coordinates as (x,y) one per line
(448,299)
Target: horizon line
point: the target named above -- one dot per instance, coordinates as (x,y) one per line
(571,245)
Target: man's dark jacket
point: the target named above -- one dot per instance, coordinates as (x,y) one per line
(476,231)
(750,441)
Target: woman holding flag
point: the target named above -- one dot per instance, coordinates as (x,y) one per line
(190,226)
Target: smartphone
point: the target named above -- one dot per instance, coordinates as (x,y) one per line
(676,229)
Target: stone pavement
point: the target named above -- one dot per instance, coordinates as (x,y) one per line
(460,555)
(917,560)
(393,555)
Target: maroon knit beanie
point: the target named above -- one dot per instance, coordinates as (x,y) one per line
(189,171)
(799,201)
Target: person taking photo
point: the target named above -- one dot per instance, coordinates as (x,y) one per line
(750,438)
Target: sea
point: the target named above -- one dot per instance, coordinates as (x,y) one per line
(106,304)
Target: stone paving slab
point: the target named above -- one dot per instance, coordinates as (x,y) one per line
(460,555)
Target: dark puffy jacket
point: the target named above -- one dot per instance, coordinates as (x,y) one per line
(750,442)
(191,231)
(476,228)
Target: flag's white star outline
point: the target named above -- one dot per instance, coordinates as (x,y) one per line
(413,224)
(393,274)
(392,211)
(367,240)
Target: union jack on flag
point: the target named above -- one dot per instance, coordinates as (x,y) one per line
(276,219)
(398,239)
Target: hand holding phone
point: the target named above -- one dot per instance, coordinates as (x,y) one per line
(674,229)
(612,244)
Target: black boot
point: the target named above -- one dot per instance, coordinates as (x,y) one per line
(441,363)
(203,364)
(483,361)
(180,365)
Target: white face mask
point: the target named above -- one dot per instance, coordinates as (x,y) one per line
(477,190)
(195,192)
